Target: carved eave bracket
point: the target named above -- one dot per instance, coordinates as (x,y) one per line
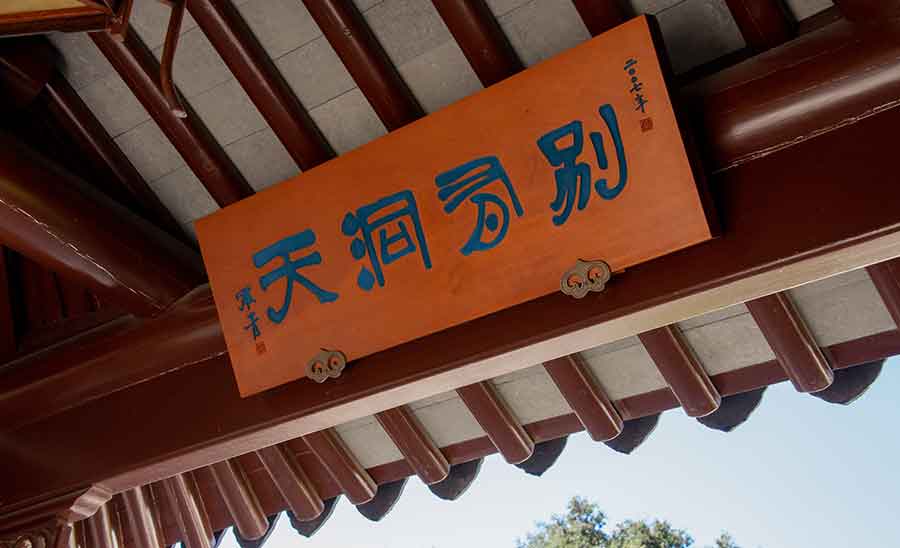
(47,524)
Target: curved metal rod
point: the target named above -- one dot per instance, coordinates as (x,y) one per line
(168,57)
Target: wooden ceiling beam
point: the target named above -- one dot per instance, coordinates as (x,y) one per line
(139,69)
(292,482)
(366,61)
(766,244)
(794,346)
(414,443)
(117,255)
(587,399)
(73,115)
(234,40)
(241,501)
(601,15)
(180,493)
(140,519)
(764,24)
(682,371)
(81,19)
(497,421)
(481,39)
(341,465)
(886,277)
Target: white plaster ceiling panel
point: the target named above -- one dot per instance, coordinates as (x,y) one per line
(624,372)
(729,344)
(531,395)
(540,29)
(698,31)
(842,308)
(807,8)
(447,420)
(368,442)
(714,316)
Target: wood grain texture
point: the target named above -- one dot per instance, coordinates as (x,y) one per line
(361,283)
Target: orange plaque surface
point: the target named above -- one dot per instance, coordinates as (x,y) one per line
(478,207)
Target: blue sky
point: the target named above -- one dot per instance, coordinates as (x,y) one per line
(800,472)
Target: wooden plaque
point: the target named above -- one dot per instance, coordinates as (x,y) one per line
(478,207)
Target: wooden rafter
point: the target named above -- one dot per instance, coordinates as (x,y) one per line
(498,421)
(342,466)
(764,24)
(586,398)
(366,61)
(292,482)
(682,371)
(408,435)
(794,346)
(136,65)
(241,501)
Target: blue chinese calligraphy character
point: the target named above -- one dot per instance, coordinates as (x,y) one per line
(253,326)
(245,298)
(574,177)
(290,270)
(373,230)
(463,182)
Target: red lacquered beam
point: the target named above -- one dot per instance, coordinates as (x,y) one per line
(764,24)
(423,455)
(62,223)
(681,370)
(367,62)
(793,344)
(600,15)
(585,397)
(341,465)
(292,482)
(497,420)
(886,277)
(241,501)
(69,110)
(136,65)
(231,36)
(481,39)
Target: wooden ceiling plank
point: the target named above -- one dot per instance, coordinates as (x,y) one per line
(794,346)
(117,256)
(292,482)
(140,518)
(139,69)
(764,24)
(366,61)
(180,491)
(497,421)
(587,399)
(233,39)
(481,39)
(682,371)
(886,277)
(414,443)
(341,465)
(70,111)
(601,15)
(240,499)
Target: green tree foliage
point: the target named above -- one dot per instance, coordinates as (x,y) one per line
(582,526)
